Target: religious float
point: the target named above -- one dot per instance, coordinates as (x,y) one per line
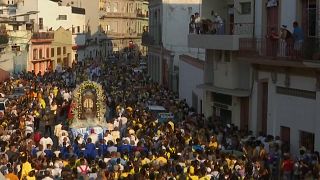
(88,110)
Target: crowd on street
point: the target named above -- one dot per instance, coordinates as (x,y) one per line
(35,141)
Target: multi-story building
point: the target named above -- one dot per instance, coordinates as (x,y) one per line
(14,38)
(61,49)
(97,45)
(259,83)
(39,60)
(124,21)
(167,40)
(51,19)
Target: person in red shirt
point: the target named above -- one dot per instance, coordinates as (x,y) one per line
(273,39)
(287,167)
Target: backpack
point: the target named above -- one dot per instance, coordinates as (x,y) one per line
(84,171)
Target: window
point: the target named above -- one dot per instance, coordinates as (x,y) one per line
(108,28)
(40,23)
(47,53)
(26,18)
(78,29)
(62,17)
(15,27)
(52,52)
(59,51)
(73,30)
(312,18)
(59,60)
(40,54)
(115,7)
(245,8)
(35,54)
(64,50)
(307,140)
(296,92)
(108,9)
(222,98)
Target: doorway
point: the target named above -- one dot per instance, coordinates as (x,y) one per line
(263,103)
(285,138)
(244,113)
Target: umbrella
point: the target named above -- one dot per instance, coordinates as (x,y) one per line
(233,152)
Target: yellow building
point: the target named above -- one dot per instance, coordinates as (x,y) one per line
(61,49)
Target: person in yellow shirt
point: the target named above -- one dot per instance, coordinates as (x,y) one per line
(26,166)
(192,174)
(213,143)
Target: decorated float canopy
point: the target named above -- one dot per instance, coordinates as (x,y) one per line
(88,109)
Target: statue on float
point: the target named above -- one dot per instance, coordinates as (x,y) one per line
(88,106)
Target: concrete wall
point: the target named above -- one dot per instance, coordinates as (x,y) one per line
(297,113)
(15,61)
(50,15)
(175,26)
(190,77)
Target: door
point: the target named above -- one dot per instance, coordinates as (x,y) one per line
(285,138)
(264,107)
(244,113)
(272,23)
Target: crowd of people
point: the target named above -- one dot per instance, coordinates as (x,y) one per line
(136,145)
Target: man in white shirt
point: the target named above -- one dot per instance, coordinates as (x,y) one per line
(64,138)
(44,141)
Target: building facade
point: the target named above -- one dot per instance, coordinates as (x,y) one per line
(269,87)
(39,60)
(61,49)
(14,39)
(168,30)
(124,22)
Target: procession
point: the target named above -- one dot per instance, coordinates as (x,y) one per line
(95,121)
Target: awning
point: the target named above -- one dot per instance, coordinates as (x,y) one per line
(231,92)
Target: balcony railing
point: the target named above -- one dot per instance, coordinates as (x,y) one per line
(308,49)
(208,27)
(43,35)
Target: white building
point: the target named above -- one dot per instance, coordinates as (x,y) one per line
(167,40)
(285,92)
(51,15)
(259,85)
(13,51)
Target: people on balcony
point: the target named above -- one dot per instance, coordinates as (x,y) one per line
(219,25)
(286,42)
(206,26)
(192,25)
(298,38)
(273,39)
(197,22)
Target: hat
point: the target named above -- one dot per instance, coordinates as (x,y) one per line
(284,26)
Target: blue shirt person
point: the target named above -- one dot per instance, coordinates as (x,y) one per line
(90,150)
